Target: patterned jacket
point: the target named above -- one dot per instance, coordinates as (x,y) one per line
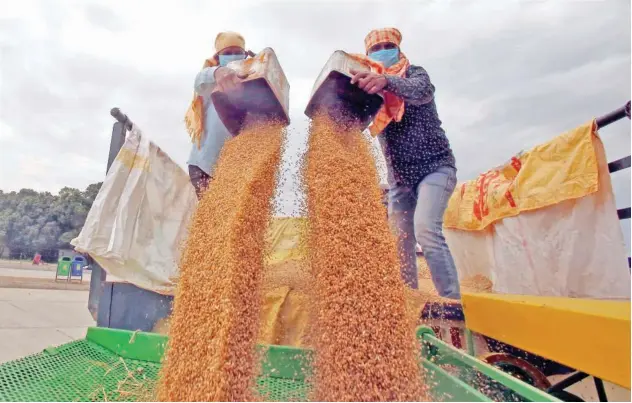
(417,145)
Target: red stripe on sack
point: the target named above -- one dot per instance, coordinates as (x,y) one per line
(515,162)
(510,198)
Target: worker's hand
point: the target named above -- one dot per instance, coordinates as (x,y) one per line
(226,80)
(371,83)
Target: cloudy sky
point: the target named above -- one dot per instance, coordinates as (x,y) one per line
(509,74)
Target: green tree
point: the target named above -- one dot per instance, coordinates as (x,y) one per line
(40,222)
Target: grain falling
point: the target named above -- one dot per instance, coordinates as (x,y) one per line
(211,351)
(363,337)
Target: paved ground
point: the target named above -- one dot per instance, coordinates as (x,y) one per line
(35,273)
(42,284)
(41,277)
(31,320)
(26,264)
(37,312)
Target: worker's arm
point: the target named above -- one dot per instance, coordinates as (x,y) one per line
(205,81)
(211,78)
(415,88)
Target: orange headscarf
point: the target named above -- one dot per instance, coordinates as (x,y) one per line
(393,107)
(194,118)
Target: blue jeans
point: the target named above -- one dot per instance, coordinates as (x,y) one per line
(416,215)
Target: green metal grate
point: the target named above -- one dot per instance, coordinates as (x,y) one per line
(282,390)
(76,371)
(118,365)
(84,371)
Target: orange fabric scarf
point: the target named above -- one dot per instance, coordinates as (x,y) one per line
(393,106)
(194,118)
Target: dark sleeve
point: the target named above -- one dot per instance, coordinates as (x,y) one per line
(415,87)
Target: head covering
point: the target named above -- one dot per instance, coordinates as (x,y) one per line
(393,106)
(194,118)
(384,35)
(228,39)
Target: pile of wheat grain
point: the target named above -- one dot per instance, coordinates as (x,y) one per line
(211,351)
(363,337)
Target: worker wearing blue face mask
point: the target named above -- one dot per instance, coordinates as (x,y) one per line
(388,55)
(421,166)
(206,129)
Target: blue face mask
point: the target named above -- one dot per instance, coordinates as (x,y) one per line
(225,59)
(387,57)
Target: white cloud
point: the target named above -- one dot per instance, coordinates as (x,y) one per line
(7,134)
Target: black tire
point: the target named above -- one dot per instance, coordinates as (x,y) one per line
(518,368)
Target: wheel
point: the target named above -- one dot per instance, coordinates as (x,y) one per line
(518,368)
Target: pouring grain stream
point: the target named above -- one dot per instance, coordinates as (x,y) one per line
(363,337)
(211,351)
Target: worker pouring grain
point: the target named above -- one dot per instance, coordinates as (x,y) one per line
(203,123)
(421,166)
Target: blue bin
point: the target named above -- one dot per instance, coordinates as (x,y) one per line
(76,267)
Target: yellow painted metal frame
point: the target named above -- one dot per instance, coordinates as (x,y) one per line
(592,336)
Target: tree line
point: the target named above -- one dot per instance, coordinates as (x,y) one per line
(39,222)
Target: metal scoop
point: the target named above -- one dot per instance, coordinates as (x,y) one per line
(334,94)
(265,93)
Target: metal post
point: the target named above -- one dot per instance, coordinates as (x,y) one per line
(97,280)
(613,116)
(566,382)
(469,339)
(601,391)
